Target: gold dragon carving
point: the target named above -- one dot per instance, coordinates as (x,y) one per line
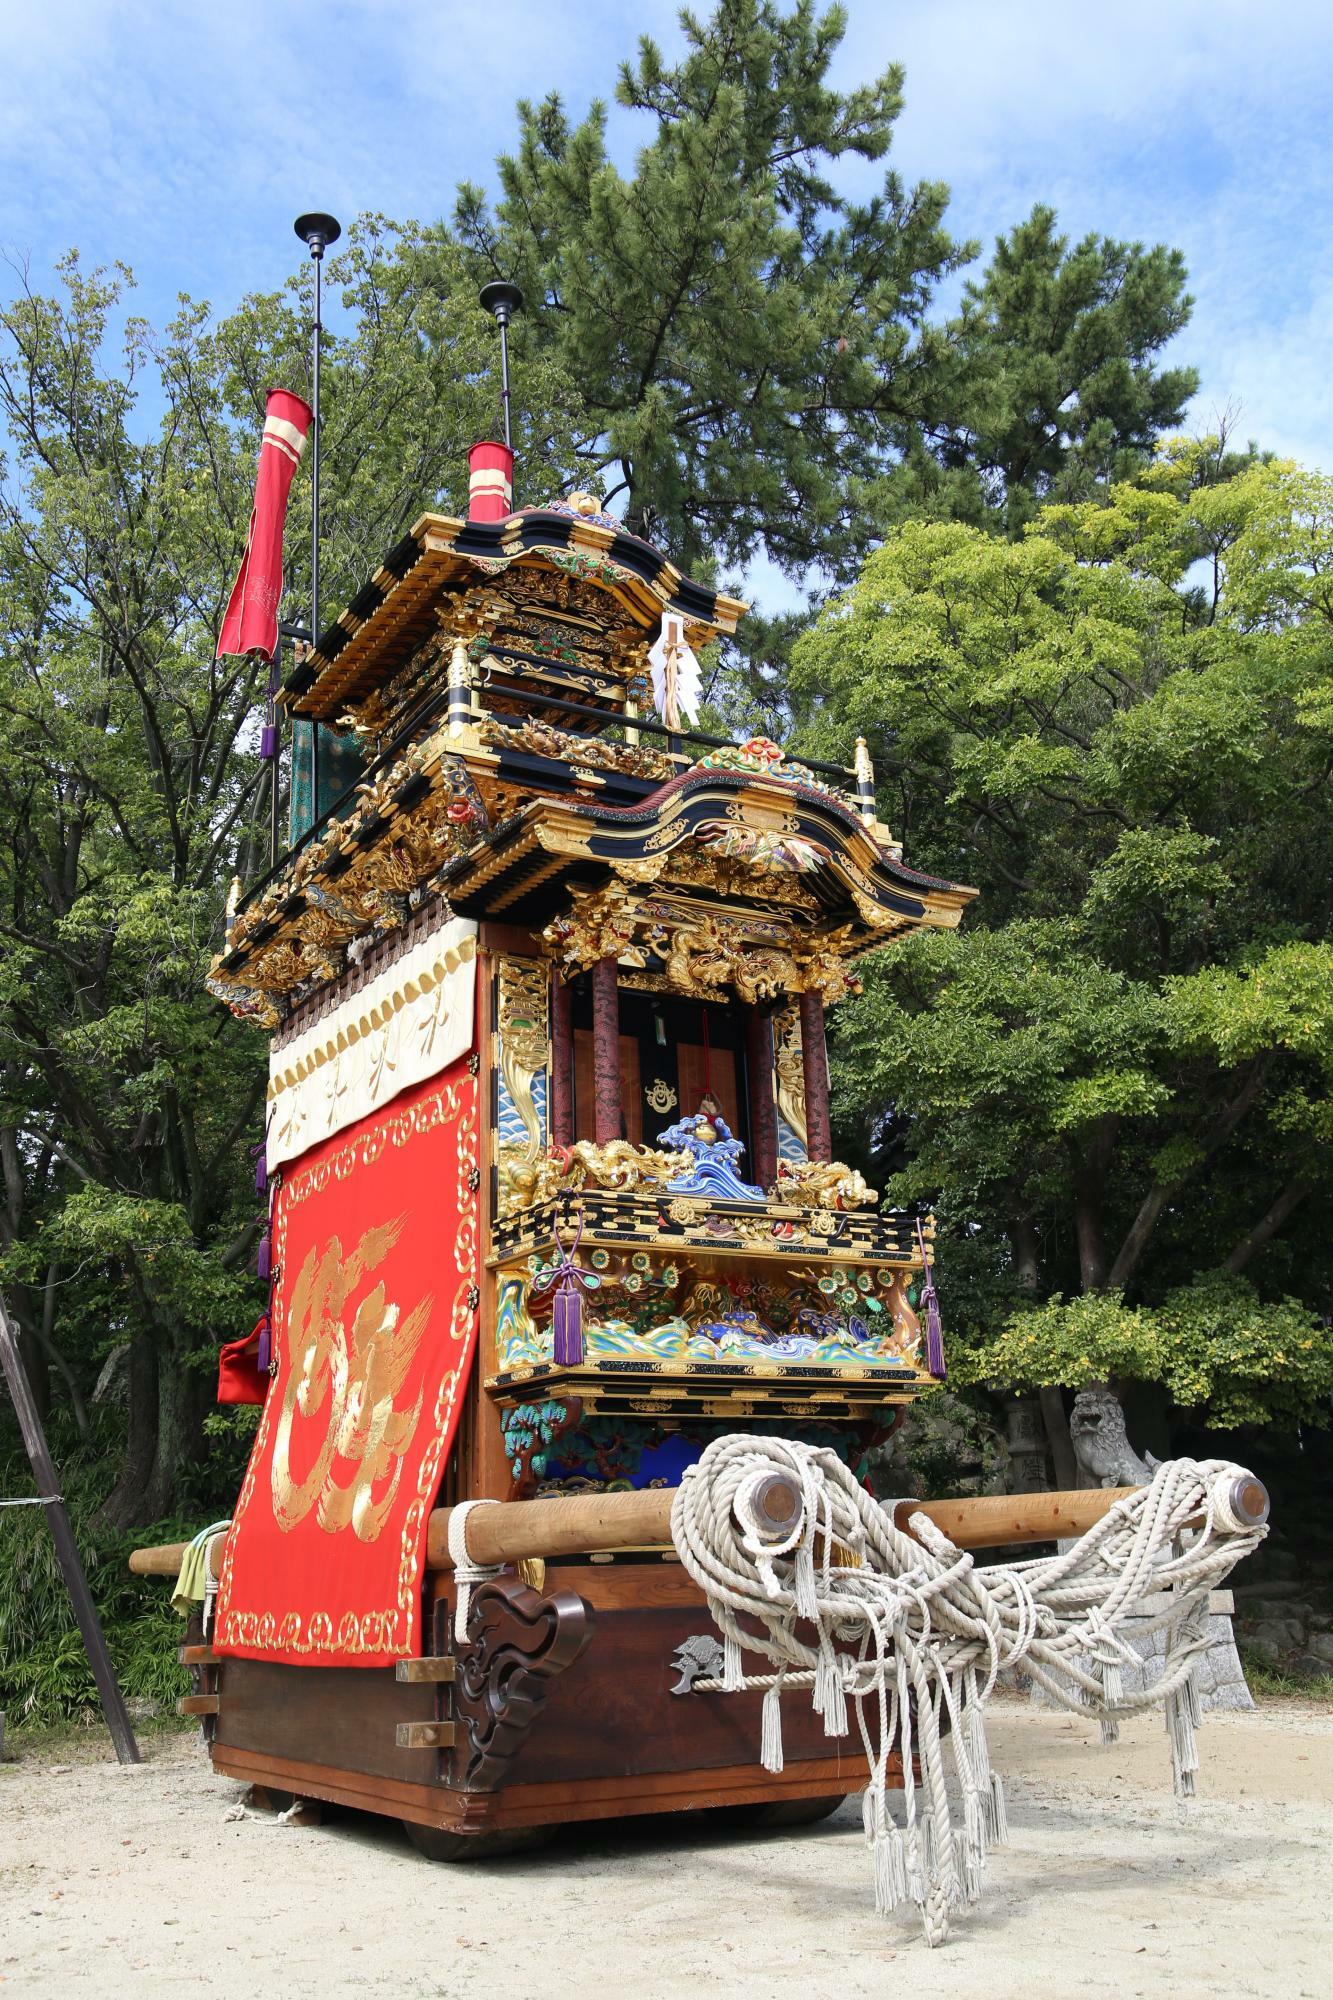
(618,1165)
(822,1184)
(525,1048)
(789,1063)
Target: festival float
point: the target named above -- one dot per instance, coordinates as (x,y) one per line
(580,1338)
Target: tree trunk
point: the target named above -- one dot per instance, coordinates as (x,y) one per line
(35,1367)
(1268,1226)
(183,1396)
(124,1506)
(1089,1206)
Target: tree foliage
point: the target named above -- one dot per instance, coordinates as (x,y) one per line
(1120,1067)
(748,340)
(1056,388)
(131,784)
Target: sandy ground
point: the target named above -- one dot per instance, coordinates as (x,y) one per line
(136,1882)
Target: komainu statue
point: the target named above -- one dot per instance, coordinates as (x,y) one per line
(1101,1446)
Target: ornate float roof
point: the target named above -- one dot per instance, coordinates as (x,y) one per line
(752,838)
(394,613)
(697,862)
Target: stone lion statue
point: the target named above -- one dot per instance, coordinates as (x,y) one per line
(1101,1446)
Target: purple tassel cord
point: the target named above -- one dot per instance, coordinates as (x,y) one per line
(934,1325)
(569,1282)
(567,1323)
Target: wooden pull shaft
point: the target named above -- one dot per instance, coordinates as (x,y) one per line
(587,1523)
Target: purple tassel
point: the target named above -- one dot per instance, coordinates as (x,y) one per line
(935,1365)
(264,1256)
(567,1283)
(268,742)
(264,1358)
(261,1170)
(567,1322)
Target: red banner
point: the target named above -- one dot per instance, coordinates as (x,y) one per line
(375,1326)
(251,621)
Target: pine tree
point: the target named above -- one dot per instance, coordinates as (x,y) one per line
(1057,388)
(750,343)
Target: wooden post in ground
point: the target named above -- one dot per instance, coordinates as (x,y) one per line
(71,1563)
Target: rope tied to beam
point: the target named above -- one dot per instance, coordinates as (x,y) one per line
(467,1573)
(910,1634)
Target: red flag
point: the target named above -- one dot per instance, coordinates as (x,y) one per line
(251,623)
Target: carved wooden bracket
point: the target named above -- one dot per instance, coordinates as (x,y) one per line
(519,1643)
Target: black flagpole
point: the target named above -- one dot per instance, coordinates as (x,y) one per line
(316,232)
(503,300)
(67,1549)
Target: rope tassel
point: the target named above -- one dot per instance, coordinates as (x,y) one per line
(770,1729)
(915,1634)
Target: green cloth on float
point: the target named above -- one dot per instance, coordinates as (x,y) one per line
(340,766)
(191,1584)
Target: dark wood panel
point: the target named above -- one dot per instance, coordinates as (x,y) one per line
(343,1716)
(613,1715)
(611,1586)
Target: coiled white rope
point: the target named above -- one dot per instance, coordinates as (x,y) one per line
(913,1634)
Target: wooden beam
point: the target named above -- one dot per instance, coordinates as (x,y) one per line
(587,1523)
(199,1704)
(993,1520)
(605,1052)
(67,1549)
(814,1063)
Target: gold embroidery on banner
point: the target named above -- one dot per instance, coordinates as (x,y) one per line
(359,1377)
(380,1631)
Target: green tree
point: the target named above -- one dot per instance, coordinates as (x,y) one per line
(749,342)
(131,787)
(1117,1075)
(1056,387)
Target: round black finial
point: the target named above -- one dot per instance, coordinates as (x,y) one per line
(317,232)
(502,299)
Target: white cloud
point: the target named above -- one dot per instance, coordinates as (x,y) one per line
(1199,123)
(183,138)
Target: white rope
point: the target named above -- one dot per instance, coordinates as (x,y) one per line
(212,1538)
(913,1634)
(466,1572)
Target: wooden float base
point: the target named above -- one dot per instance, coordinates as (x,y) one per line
(519,1806)
(608,1738)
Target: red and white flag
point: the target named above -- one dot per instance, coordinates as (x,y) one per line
(251,623)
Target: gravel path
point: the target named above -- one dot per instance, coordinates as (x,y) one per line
(125,1883)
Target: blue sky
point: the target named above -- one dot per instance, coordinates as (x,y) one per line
(183,138)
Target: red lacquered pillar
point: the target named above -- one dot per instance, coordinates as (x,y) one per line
(814,1062)
(562,1061)
(763,1104)
(605,1051)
